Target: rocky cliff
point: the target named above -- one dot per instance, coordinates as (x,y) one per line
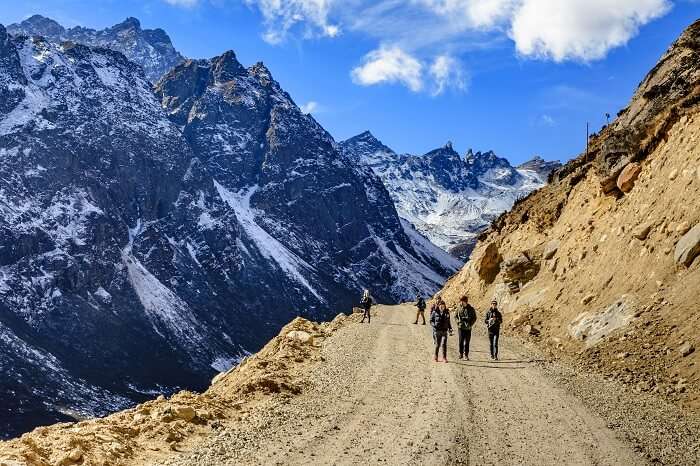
(602,264)
(150,48)
(191,223)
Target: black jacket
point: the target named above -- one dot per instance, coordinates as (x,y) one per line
(497,318)
(420,304)
(465,317)
(441,321)
(366,303)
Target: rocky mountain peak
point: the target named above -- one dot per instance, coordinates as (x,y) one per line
(38,25)
(540,166)
(128,23)
(226,67)
(152,49)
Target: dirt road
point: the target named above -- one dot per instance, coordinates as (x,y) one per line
(379,398)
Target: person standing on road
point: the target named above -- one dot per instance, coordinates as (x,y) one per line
(420,304)
(440,321)
(465,317)
(433,309)
(366,302)
(493,320)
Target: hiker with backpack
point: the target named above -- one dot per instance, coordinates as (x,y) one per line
(465,318)
(420,304)
(366,303)
(493,320)
(440,321)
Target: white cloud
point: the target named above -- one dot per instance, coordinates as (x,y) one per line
(446,73)
(281,16)
(310,107)
(184,3)
(415,33)
(389,65)
(579,29)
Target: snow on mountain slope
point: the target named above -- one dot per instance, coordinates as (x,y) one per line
(447,198)
(150,48)
(190,221)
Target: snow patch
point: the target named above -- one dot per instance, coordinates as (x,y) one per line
(267,245)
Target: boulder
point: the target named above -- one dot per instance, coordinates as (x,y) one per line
(686,349)
(521,268)
(186,413)
(531,330)
(688,247)
(520,319)
(642,231)
(300,335)
(551,249)
(628,176)
(488,265)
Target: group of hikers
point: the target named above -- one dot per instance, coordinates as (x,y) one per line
(441,323)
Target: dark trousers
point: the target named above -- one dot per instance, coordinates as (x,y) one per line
(421,314)
(493,343)
(465,336)
(441,339)
(367,315)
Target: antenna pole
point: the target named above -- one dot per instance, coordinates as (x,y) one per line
(587,138)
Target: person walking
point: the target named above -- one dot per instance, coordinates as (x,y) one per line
(420,304)
(465,317)
(366,302)
(493,320)
(433,309)
(440,321)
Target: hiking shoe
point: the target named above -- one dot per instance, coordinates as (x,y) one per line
(444,360)
(435,359)
(460,356)
(423,323)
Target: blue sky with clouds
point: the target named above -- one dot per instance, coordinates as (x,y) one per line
(520,77)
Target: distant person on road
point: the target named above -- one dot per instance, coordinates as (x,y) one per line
(493,320)
(366,302)
(420,304)
(440,321)
(465,317)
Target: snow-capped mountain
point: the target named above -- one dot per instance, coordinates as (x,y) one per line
(150,239)
(150,48)
(448,198)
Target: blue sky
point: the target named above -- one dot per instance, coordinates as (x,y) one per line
(520,77)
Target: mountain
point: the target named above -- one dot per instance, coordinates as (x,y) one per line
(602,266)
(150,48)
(540,166)
(448,198)
(151,239)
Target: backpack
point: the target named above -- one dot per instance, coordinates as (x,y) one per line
(421,304)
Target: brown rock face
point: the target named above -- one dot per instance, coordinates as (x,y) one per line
(628,176)
(489,264)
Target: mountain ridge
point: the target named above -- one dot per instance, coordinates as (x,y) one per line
(178,217)
(449,198)
(150,48)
